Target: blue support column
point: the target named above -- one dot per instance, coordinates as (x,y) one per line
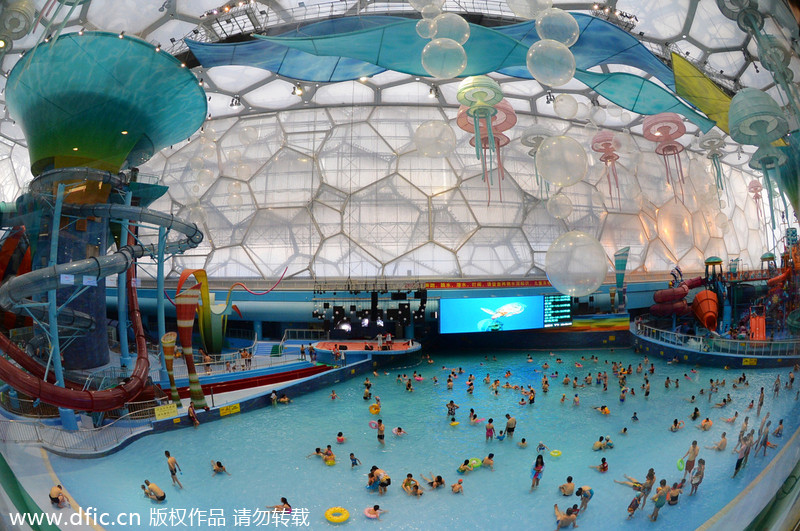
(68,419)
(162,327)
(122,299)
(257,328)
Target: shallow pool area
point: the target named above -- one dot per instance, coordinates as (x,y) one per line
(265,451)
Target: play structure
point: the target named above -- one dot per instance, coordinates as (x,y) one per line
(90,105)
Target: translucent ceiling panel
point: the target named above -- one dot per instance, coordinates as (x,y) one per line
(625,230)
(340,257)
(452,220)
(657,18)
(290,178)
(431,175)
(348,92)
(496,251)
(712,29)
(232,262)
(282,238)
(429,260)
(541,228)
(123,15)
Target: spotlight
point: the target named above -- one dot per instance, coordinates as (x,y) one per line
(3,43)
(433,92)
(363,79)
(158,48)
(121,34)
(80,32)
(297,90)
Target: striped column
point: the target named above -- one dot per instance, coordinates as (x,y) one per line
(185,305)
(168,345)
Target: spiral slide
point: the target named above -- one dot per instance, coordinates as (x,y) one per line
(672,301)
(13,292)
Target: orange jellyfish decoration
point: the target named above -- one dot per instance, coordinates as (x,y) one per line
(665,129)
(606,143)
(491,136)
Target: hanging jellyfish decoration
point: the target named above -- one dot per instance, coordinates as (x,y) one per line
(713,143)
(485,114)
(755,188)
(605,142)
(768,160)
(533,137)
(665,129)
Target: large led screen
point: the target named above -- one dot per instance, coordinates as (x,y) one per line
(494,314)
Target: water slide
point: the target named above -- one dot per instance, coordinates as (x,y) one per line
(19,289)
(777,282)
(672,301)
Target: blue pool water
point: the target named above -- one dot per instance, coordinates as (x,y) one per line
(265,451)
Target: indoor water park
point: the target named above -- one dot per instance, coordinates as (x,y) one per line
(400,264)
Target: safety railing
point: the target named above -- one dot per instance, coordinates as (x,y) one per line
(302,334)
(83,440)
(23,405)
(739,347)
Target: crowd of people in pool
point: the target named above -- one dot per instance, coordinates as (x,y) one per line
(750,440)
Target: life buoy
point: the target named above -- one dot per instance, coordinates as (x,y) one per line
(374,409)
(555,453)
(337,515)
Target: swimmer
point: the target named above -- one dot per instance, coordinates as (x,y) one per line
(690,400)
(317,453)
(340,438)
(634,417)
(695,414)
(399,431)
(433,482)
(465,467)
(676,425)
(599,444)
(563,398)
(566,489)
(58,499)
(334,396)
(542,447)
(731,420)
(719,445)
(779,430)
(563,520)
(490,430)
(537,471)
(409,483)
(153,491)
(366,396)
(374,512)
(174,467)
(602,467)
(457,488)
(624,431)
(489,461)
(576,401)
(500,436)
(354,461)
(218,468)
(705,425)
(523,443)
(602,409)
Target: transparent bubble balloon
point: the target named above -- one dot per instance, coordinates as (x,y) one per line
(435,138)
(613,111)
(561,161)
(196,163)
(209,150)
(235,201)
(625,117)
(243,171)
(559,206)
(452,26)
(583,111)
(597,116)
(248,135)
(235,155)
(576,264)
(197,214)
(444,58)
(551,63)
(195,189)
(558,25)
(419,5)
(720,219)
(234,187)
(205,177)
(426,28)
(565,106)
(431,11)
(528,8)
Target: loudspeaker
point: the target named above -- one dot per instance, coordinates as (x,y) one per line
(393,314)
(352,307)
(338,311)
(326,305)
(399,296)
(374,300)
(326,325)
(422,295)
(405,311)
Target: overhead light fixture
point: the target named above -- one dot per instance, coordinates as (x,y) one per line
(297,90)
(121,34)
(236,101)
(80,32)
(363,79)
(74,149)
(433,92)
(124,132)
(200,82)
(2,43)
(158,48)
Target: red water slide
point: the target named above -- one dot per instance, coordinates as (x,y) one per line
(73,396)
(672,301)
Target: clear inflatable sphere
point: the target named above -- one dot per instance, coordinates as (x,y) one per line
(625,117)
(243,171)
(205,177)
(235,155)
(597,116)
(528,8)
(551,63)
(426,28)
(235,201)
(452,26)
(209,150)
(558,25)
(248,135)
(565,106)
(197,214)
(559,206)
(431,11)
(419,5)
(583,112)
(444,58)
(196,163)
(576,264)
(561,161)
(234,187)
(435,138)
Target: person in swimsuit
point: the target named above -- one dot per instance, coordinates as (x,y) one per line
(721,444)
(218,468)
(433,482)
(282,507)
(465,467)
(488,461)
(57,497)
(537,471)
(451,408)
(698,475)
(374,512)
(674,493)
(153,491)
(511,425)
(602,467)
(563,520)
(585,493)
(383,479)
(457,487)
(409,483)
(490,430)
(174,467)
(354,460)
(568,488)
(691,454)
(660,499)
(193,415)
(381,432)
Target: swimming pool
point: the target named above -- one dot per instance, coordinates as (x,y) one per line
(265,451)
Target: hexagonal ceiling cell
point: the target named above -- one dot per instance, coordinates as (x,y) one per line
(625,230)
(251,142)
(235,79)
(494,201)
(588,209)
(191,170)
(229,209)
(431,175)
(496,251)
(652,176)
(282,238)
(122,15)
(327,219)
(692,261)
(231,262)
(452,220)
(290,178)
(341,257)
(354,156)
(658,257)
(388,218)
(429,260)
(277,94)
(541,228)
(675,227)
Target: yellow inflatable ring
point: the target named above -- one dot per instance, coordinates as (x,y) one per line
(555,453)
(374,409)
(337,515)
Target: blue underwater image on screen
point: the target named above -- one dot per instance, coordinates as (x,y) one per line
(490,314)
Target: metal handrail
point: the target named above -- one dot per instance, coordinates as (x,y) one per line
(82,440)
(741,347)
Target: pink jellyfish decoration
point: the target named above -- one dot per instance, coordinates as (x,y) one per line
(665,129)
(490,141)
(606,143)
(755,188)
